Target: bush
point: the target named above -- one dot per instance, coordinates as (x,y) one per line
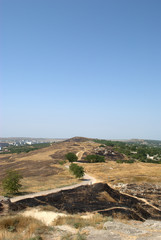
(125,161)
(71,157)
(94,158)
(78,171)
(11,182)
(62,162)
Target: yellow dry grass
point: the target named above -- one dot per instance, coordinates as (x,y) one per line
(78,221)
(41,169)
(112,172)
(36,184)
(104,196)
(19,227)
(46,153)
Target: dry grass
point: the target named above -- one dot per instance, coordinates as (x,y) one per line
(104,196)
(49,208)
(20,228)
(78,236)
(40,183)
(41,169)
(36,184)
(112,172)
(77,221)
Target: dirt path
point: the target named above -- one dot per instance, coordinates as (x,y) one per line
(87,180)
(79,155)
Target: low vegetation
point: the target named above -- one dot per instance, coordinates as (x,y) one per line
(144,151)
(71,157)
(125,161)
(21,228)
(70,236)
(94,158)
(78,222)
(78,171)
(25,148)
(11,182)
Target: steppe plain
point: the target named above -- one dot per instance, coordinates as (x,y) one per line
(46,169)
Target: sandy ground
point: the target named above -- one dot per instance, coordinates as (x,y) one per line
(46,217)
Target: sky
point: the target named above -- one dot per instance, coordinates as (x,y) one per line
(87,68)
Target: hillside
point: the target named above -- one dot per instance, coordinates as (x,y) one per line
(43,168)
(125,190)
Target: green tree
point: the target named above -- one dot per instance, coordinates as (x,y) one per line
(94,158)
(78,171)
(11,182)
(71,157)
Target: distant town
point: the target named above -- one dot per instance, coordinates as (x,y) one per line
(7,143)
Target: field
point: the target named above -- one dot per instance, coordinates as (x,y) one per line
(114,173)
(45,169)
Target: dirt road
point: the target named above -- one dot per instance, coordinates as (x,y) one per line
(87,179)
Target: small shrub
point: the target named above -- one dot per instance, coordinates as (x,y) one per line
(80,236)
(11,228)
(125,161)
(62,162)
(119,161)
(94,158)
(71,157)
(78,171)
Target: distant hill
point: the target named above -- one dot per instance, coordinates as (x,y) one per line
(78,139)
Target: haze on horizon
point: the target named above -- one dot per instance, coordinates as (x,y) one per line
(80,68)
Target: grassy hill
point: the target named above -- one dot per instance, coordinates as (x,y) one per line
(43,169)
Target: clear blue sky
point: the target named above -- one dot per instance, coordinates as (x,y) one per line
(80,68)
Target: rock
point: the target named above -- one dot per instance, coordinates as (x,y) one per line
(4,199)
(123,228)
(153,236)
(95,234)
(117,230)
(5,204)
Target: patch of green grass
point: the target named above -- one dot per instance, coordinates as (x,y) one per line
(62,162)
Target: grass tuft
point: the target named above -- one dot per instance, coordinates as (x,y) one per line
(78,222)
(21,228)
